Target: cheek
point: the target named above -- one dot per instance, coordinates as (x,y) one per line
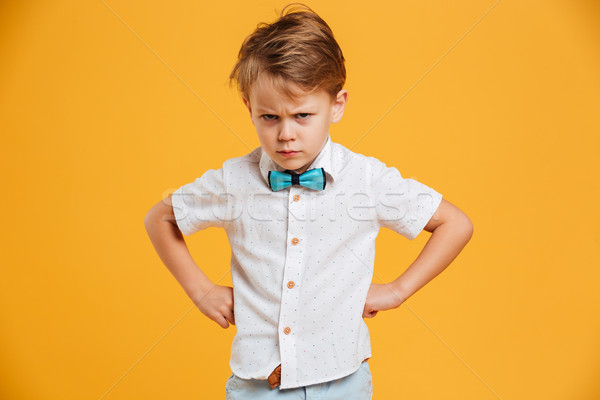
(265,139)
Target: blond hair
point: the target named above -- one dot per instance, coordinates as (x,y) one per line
(299,47)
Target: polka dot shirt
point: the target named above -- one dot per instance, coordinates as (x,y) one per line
(302,260)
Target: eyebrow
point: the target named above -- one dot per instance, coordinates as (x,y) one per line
(302,109)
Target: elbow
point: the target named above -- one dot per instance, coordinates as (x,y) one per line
(466,227)
(151,217)
(461,226)
(148,219)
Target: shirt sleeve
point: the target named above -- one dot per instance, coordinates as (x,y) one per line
(201,204)
(402,205)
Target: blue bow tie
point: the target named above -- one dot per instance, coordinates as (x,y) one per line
(312,179)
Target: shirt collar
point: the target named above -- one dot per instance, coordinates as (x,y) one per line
(323,160)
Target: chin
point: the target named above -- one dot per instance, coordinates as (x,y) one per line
(291,165)
(294,167)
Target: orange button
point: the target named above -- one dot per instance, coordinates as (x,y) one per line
(295,241)
(287,330)
(296,197)
(290,284)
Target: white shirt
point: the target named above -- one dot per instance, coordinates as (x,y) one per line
(301,259)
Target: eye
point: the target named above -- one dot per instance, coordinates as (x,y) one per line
(303,115)
(269,117)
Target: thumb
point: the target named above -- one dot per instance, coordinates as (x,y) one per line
(369,313)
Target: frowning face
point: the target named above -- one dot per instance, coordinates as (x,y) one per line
(293,131)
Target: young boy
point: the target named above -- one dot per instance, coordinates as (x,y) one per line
(301,213)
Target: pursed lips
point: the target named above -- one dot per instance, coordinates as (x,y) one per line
(287,153)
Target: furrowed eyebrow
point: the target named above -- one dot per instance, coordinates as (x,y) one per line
(297,113)
(304,109)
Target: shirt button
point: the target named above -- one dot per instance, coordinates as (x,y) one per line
(296,197)
(290,284)
(287,330)
(295,241)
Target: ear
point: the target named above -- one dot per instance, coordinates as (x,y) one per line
(339,105)
(247,104)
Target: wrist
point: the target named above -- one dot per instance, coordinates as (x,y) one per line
(199,291)
(401,294)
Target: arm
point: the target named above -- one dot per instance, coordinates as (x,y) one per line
(214,301)
(451,230)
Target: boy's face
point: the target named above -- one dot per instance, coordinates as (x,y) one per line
(293,132)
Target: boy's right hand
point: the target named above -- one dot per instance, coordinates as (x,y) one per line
(217,304)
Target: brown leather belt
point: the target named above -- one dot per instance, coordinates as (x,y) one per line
(275,377)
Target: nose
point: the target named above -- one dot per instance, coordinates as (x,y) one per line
(286,130)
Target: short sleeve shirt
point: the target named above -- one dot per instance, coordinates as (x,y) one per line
(301,259)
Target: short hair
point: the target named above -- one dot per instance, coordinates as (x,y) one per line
(299,47)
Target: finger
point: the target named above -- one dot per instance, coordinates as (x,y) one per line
(223,322)
(231,317)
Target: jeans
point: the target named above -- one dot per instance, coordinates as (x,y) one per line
(356,386)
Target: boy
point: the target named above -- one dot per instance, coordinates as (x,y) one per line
(301,214)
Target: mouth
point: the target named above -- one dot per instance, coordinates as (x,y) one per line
(288,153)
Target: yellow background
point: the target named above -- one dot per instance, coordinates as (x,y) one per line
(106,107)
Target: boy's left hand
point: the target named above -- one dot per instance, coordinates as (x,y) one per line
(381,297)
